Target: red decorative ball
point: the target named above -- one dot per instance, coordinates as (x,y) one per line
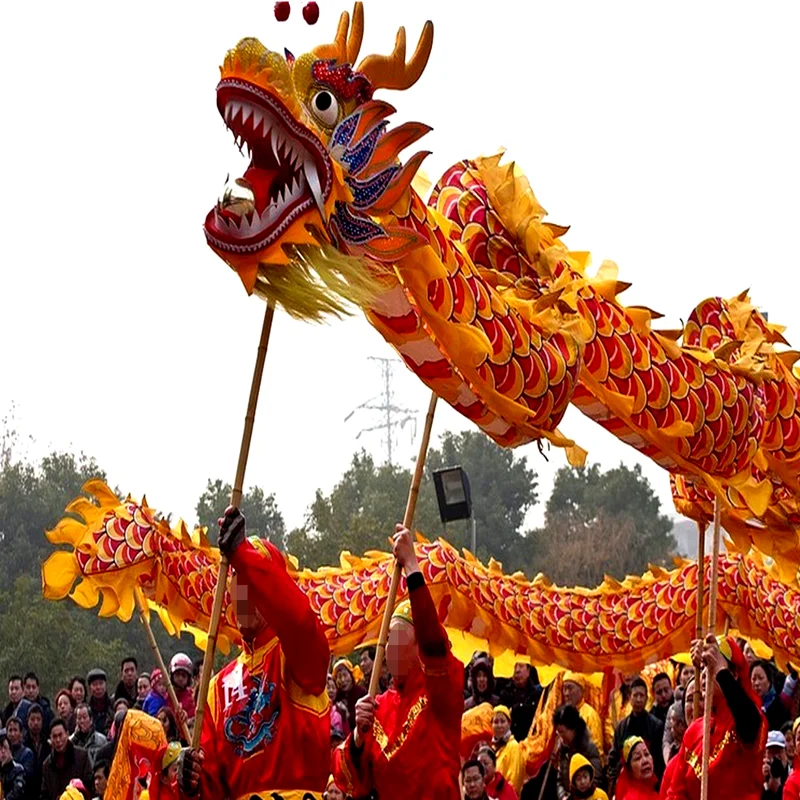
(282,10)
(311,12)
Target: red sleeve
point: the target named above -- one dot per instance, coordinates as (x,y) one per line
(678,789)
(444,673)
(350,770)
(791,790)
(287,611)
(210,781)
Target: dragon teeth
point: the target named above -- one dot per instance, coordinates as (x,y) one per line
(312,180)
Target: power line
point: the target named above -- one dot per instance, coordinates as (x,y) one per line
(392,416)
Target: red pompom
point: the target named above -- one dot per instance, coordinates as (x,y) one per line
(311,12)
(282,10)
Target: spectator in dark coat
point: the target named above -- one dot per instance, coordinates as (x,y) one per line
(12,775)
(574,737)
(762,676)
(640,722)
(521,694)
(21,754)
(36,742)
(482,683)
(128,676)
(63,764)
(33,695)
(17,706)
(347,690)
(99,702)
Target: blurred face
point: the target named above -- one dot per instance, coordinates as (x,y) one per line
(797,741)
(567,735)
(35,722)
(78,692)
(678,729)
(31,689)
(473,784)
(689,704)
(5,752)
(500,725)
(687,673)
(164,720)
(638,699)
(521,674)
(83,720)
(172,772)
(344,680)
(582,779)
(248,617)
(142,687)
(159,686)
(15,691)
(331,689)
(772,752)
(59,739)
(488,767)
(749,654)
(334,793)
(129,674)
(641,762)
(63,706)
(100,782)
(481,682)
(401,650)
(663,693)
(14,732)
(181,678)
(790,743)
(366,663)
(572,693)
(760,681)
(98,688)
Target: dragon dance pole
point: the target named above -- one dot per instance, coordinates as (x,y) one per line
(236,499)
(408,521)
(698,629)
(712,626)
(160,661)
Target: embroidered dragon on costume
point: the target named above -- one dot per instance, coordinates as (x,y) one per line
(478,293)
(116,546)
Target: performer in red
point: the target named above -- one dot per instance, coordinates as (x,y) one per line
(266,729)
(738,731)
(406,741)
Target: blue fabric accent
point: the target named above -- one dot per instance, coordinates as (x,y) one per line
(360,154)
(367,192)
(355,229)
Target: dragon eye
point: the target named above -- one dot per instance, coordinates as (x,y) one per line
(325,108)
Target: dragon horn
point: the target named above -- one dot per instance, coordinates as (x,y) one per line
(347,42)
(393,72)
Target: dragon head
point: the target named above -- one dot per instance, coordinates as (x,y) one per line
(311,128)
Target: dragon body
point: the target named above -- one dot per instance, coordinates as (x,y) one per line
(116,546)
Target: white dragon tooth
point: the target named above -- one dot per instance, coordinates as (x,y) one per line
(312,179)
(236,108)
(258,115)
(247,110)
(274,144)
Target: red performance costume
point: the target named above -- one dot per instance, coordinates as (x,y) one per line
(266,730)
(738,738)
(412,750)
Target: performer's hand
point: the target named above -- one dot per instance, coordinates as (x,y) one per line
(403,549)
(697,654)
(365,716)
(712,657)
(190,767)
(231,531)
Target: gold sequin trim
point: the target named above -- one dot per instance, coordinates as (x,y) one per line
(695,761)
(383,740)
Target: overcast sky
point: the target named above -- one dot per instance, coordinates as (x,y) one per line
(664,133)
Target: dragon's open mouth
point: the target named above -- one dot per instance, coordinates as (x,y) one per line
(289,171)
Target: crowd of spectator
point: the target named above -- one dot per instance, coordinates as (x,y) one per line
(599,753)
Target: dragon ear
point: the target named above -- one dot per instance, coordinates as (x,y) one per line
(289,56)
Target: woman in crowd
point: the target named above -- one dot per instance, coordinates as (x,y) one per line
(762,676)
(637,779)
(166,717)
(339,724)
(142,688)
(510,759)
(481,684)
(496,785)
(573,737)
(333,792)
(77,688)
(65,708)
(674,730)
(347,690)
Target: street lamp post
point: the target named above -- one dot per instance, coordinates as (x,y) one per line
(454,496)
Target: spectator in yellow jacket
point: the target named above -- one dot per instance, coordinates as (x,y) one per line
(510,759)
(573,689)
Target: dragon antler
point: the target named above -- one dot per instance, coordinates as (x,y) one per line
(393,72)
(347,42)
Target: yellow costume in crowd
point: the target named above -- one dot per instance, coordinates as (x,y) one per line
(510,759)
(588,714)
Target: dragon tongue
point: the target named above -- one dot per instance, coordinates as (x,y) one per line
(261,181)
(312,181)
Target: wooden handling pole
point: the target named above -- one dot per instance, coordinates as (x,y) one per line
(236,499)
(701,588)
(160,662)
(712,629)
(408,521)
